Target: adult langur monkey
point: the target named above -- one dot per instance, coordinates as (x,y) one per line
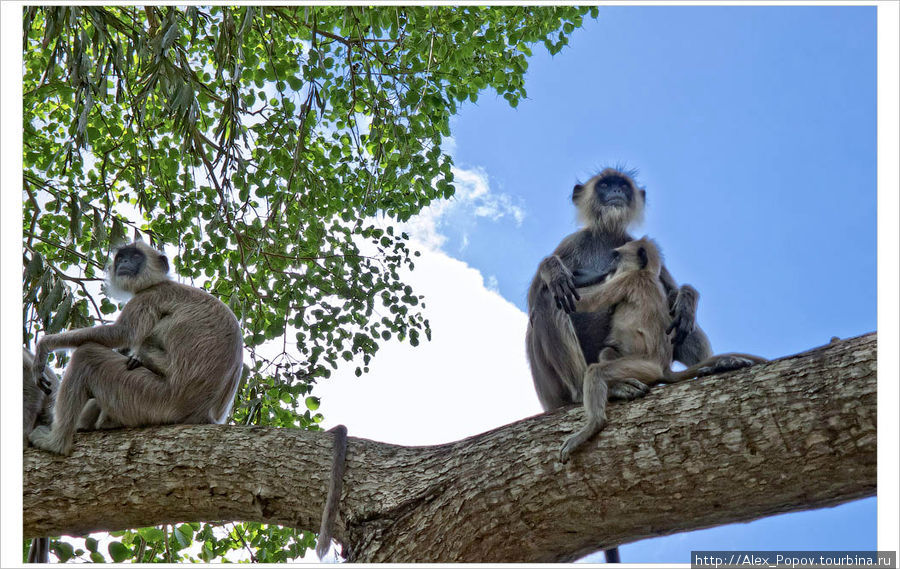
(37,409)
(561,342)
(184,364)
(638,351)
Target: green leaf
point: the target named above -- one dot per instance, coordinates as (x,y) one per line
(184,535)
(152,534)
(64,551)
(118,552)
(252,152)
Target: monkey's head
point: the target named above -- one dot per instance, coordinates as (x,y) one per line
(638,255)
(137,266)
(609,202)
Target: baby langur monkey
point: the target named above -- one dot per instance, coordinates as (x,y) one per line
(638,349)
(184,364)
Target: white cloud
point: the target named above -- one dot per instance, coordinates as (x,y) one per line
(472,376)
(474,200)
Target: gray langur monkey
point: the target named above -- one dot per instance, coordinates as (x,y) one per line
(638,351)
(184,364)
(560,342)
(37,409)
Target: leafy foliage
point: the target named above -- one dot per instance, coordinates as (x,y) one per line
(260,144)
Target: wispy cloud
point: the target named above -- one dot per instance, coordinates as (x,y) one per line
(473,202)
(448,388)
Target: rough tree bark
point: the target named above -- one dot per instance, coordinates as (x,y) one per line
(792,434)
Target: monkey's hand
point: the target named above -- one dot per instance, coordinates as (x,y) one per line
(684,313)
(133,363)
(561,283)
(38,367)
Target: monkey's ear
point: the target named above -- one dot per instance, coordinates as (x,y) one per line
(164,263)
(642,255)
(576,192)
(643,195)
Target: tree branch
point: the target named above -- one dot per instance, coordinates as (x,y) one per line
(793,434)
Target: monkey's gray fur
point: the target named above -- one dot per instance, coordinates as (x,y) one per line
(37,409)
(336,484)
(560,342)
(185,362)
(638,353)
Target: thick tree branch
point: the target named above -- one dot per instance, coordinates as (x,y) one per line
(793,434)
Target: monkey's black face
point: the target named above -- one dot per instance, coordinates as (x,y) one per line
(614,190)
(129,262)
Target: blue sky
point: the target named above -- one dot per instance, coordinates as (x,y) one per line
(754,132)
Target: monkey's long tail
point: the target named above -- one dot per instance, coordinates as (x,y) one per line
(712,365)
(39,552)
(333,501)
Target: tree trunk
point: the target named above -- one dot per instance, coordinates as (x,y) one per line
(792,434)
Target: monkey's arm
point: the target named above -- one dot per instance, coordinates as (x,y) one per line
(690,341)
(603,298)
(682,306)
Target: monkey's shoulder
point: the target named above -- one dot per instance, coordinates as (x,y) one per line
(171,297)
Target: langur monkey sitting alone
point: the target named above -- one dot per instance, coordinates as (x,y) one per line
(184,364)
(638,350)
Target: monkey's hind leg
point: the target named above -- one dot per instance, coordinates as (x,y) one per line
(557,363)
(129,397)
(716,364)
(596,392)
(71,399)
(625,388)
(695,348)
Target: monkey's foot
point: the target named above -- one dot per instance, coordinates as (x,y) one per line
(627,389)
(575,441)
(42,437)
(566,450)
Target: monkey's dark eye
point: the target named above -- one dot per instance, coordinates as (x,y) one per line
(603,185)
